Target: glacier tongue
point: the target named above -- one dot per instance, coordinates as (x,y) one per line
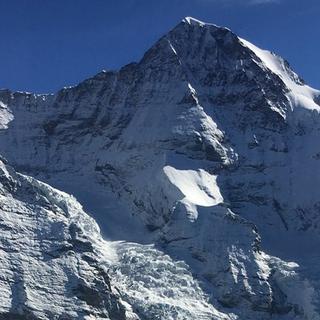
(202,158)
(159,287)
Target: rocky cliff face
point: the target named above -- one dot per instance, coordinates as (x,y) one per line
(206,148)
(53,260)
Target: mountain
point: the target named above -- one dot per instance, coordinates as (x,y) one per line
(200,163)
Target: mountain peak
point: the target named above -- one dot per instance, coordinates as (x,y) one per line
(193,21)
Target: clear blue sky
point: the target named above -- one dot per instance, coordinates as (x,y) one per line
(48,44)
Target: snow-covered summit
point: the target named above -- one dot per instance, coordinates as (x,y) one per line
(197,23)
(193,21)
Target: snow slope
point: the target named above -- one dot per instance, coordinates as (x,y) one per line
(300,94)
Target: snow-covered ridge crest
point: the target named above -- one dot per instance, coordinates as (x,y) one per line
(192,21)
(301,95)
(195,22)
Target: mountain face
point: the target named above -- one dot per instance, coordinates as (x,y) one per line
(201,165)
(53,260)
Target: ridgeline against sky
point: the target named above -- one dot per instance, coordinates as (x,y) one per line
(51,44)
